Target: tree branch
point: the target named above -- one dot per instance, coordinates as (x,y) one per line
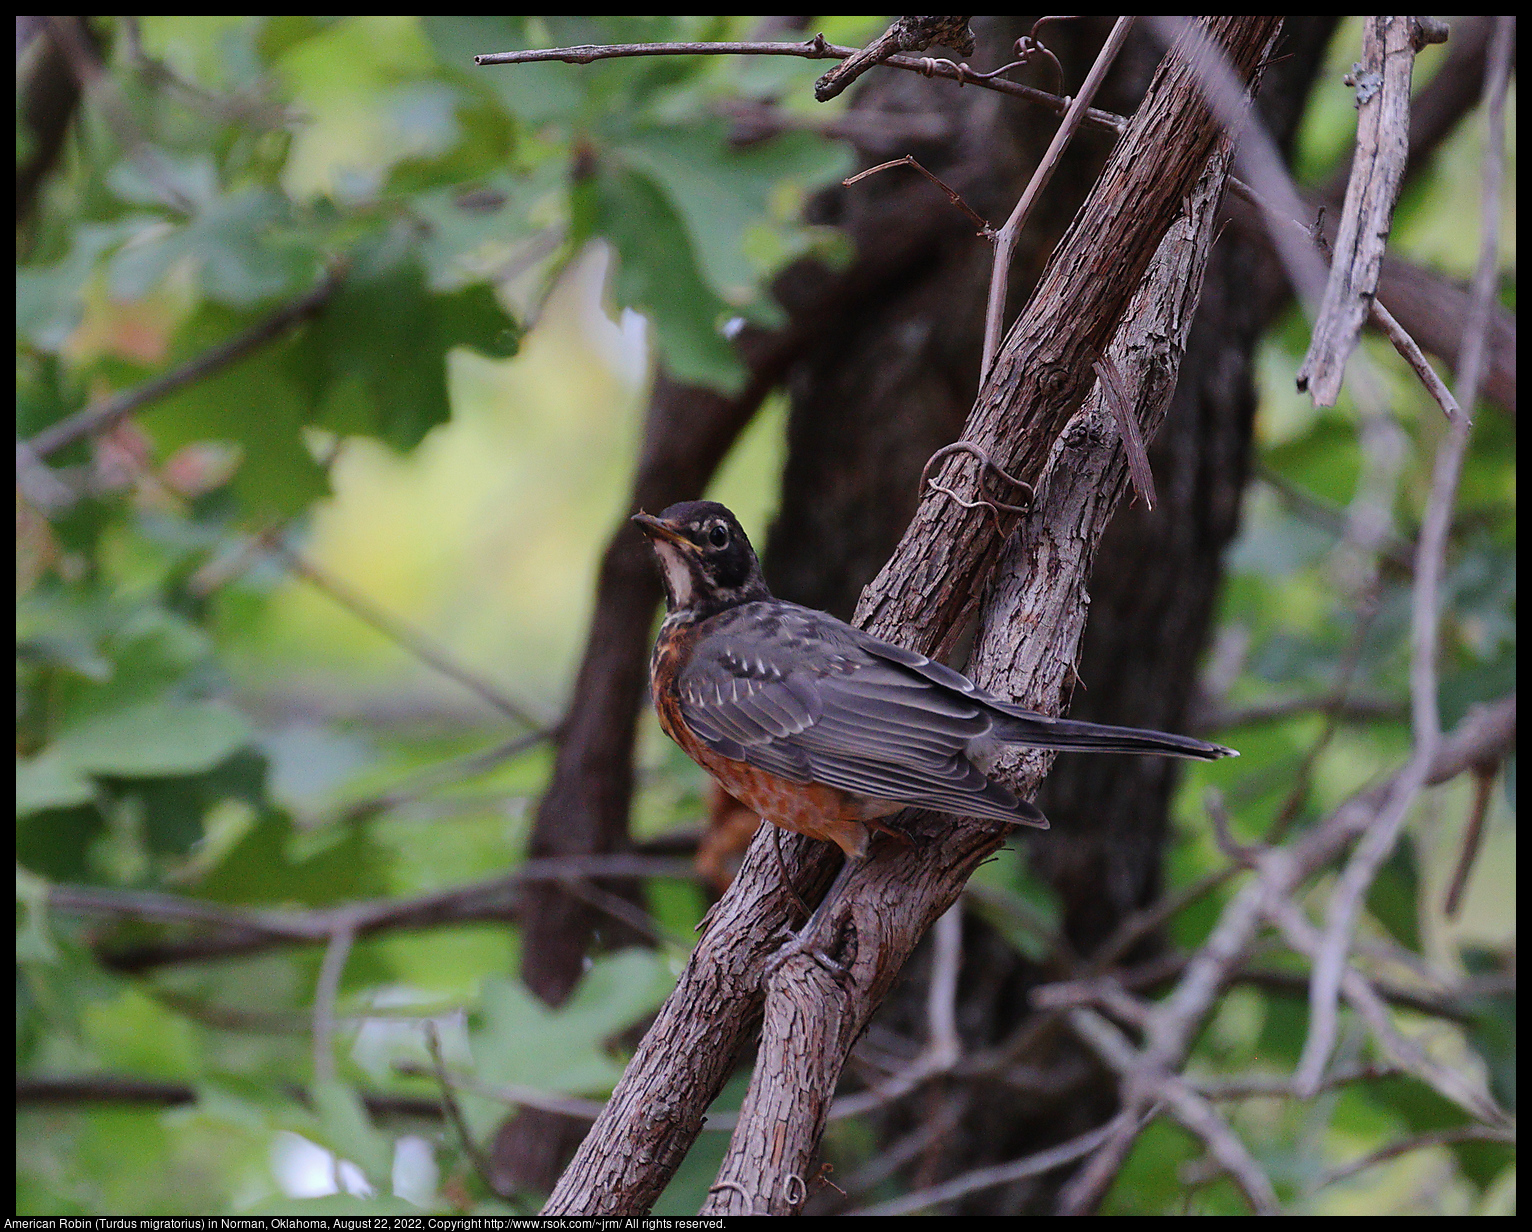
(97,419)
(814,49)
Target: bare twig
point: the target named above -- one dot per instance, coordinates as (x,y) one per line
(454,1115)
(1345,904)
(1175,1020)
(941,998)
(1366,610)
(814,49)
(909,160)
(987,465)
(1005,239)
(466,767)
(1398,552)
(1408,349)
(1276,709)
(96,419)
(326,989)
(864,127)
(1237,852)
(619,908)
(1194,1111)
(1121,406)
(1416,1142)
(1280,1086)
(396,630)
(120,1089)
(906,34)
(997,1174)
(508,1093)
(1473,834)
(241,931)
(1365,999)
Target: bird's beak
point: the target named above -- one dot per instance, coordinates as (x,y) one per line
(658,528)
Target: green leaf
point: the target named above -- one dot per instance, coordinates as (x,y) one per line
(525,1042)
(1394,897)
(723,193)
(344,1127)
(657,274)
(473,317)
(229,241)
(471,234)
(50,781)
(155,738)
(265,867)
(255,404)
(50,298)
(380,335)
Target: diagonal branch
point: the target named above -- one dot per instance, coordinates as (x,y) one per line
(1377,170)
(1345,904)
(104,415)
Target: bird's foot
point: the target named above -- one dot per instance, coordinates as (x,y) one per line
(806,943)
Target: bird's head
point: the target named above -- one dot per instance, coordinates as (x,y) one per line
(705,559)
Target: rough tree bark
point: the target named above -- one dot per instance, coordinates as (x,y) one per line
(1152,594)
(1040,378)
(889,379)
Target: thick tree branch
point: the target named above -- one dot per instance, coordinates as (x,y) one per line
(1046,358)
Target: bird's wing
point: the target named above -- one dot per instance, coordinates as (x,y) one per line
(794,692)
(1013,724)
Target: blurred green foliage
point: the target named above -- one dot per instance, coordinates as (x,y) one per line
(452,433)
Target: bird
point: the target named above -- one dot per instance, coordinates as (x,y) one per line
(822,728)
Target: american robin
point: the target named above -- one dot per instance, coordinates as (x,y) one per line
(820,727)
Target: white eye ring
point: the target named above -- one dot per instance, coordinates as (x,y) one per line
(718,536)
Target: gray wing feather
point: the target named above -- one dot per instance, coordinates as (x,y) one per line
(838,715)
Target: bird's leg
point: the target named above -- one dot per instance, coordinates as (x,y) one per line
(804,941)
(787,881)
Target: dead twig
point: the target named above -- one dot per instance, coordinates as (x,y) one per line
(813,49)
(1005,239)
(454,1115)
(326,990)
(1417,1142)
(1473,835)
(909,160)
(906,34)
(1345,903)
(506,1093)
(997,1174)
(245,930)
(1121,406)
(1155,1086)
(398,631)
(987,465)
(1377,170)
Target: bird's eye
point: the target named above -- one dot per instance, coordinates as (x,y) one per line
(719,536)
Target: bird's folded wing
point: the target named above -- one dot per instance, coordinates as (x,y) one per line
(836,715)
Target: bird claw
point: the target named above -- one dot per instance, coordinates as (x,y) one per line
(804,943)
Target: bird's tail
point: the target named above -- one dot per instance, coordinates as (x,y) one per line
(1014,725)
